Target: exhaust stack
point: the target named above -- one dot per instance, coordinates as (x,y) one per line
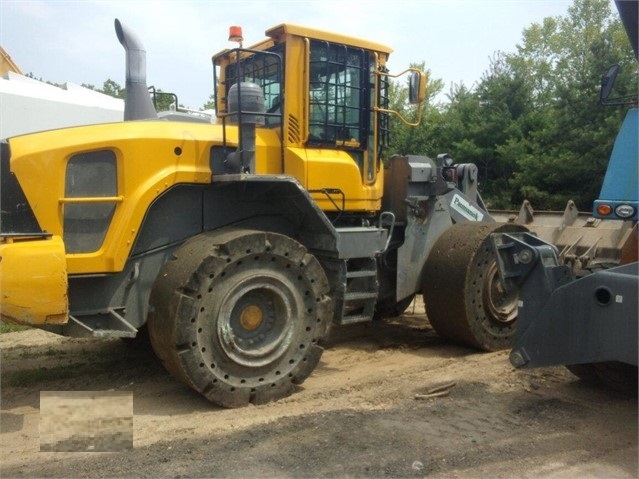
(138,104)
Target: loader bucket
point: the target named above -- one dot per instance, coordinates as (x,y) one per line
(585,243)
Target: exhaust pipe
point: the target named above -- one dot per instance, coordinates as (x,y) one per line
(137,104)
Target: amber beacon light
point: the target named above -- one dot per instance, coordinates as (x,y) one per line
(235,34)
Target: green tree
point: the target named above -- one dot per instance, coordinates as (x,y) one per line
(533,124)
(164,101)
(405,139)
(210,104)
(571,135)
(161,100)
(109,87)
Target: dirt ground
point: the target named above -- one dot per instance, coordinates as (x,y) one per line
(358,415)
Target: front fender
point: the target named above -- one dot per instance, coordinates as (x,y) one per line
(33,281)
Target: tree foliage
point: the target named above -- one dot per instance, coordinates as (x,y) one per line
(161,100)
(405,137)
(533,124)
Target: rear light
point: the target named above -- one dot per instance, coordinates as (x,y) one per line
(625,211)
(604,209)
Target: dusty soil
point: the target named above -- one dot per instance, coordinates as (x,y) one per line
(358,415)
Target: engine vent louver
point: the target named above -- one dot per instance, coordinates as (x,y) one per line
(293,129)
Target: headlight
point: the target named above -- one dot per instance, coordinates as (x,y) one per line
(624,211)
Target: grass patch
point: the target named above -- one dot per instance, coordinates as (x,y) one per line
(29,377)
(38,353)
(12,328)
(54,352)
(91,359)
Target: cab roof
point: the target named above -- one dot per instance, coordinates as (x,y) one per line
(277,32)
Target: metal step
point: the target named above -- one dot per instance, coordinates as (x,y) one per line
(361,242)
(361,274)
(359,293)
(358,318)
(108,324)
(359,296)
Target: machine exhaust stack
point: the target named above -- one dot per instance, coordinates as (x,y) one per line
(138,104)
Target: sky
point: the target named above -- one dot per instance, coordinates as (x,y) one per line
(75,40)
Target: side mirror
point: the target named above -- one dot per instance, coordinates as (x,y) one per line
(416,87)
(607,82)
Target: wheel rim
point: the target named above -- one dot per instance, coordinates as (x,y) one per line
(500,305)
(256,320)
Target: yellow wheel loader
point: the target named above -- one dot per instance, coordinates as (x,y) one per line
(239,242)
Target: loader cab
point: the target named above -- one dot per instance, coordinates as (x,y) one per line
(326,105)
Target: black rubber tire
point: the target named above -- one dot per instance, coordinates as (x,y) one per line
(238,315)
(462,292)
(620,377)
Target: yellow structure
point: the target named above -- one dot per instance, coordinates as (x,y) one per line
(8,65)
